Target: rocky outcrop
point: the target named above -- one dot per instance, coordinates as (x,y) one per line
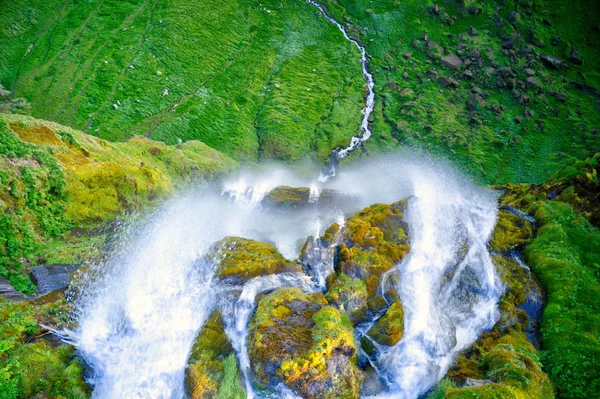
(387,331)
(211,359)
(52,277)
(240,259)
(297,339)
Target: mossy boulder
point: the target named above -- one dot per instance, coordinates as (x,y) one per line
(511,231)
(388,330)
(508,367)
(350,295)
(209,362)
(297,339)
(295,197)
(373,241)
(240,259)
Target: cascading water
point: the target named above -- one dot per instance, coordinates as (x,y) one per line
(365,132)
(138,318)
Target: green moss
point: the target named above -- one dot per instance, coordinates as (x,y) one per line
(52,182)
(212,369)
(295,338)
(243,259)
(350,295)
(30,365)
(510,232)
(388,330)
(565,257)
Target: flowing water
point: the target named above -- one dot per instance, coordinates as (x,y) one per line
(140,313)
(141,309)
(365,132)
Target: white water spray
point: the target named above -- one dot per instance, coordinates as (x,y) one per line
(138,321)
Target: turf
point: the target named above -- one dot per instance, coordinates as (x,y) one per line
(254,80)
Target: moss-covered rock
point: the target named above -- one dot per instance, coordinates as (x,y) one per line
(373,241)
(208,364)
(388,330)
(511,231)
(32,363)
(296,339)
(508,366)
(240,259)
(294,197)
(350,295)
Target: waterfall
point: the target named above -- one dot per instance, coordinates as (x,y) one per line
(365,132)
(140,313)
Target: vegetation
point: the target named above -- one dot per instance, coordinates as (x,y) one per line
(506,113)
(30,365)
(253,80)
(58,185)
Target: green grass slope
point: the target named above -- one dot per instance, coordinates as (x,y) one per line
(268,79)
(526,118)
(58,184)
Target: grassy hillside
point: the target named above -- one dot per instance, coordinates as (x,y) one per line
(252,79)
(505,114)
(58,184)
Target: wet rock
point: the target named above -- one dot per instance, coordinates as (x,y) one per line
(511,231)
(452,61)
(349,295)
(240,259)
(8,292)
(475,102)
(373,241)
(286,197)
(208,359)
(551,61)
(387,331)
(52,277)
(296,339)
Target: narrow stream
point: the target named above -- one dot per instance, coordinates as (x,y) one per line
(365,132)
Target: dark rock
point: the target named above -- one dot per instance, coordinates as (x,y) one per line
(475,102)
(472,31)
(530,72)
(475,54)
(561,97)
(555,40)
(494,64)
(8,292)
(535,39)
(435,10)
(434,50)
(574,56)
(516,93)
(531,81)
(452,61)
(448,82)
(504,72)
(432,73)
(405,75)
(53,277)
(513,16)
(467,74)
(551,61)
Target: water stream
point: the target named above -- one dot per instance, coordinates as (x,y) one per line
(139,315)
(365,132)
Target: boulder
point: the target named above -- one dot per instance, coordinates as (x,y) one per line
(8,292)
(387,331)
(350,295)
(240,259)
(551,61)
(374,240)
(475,102)
(210,360)
(286,197)
(511,231)
(296,339)
(452,61)
(434,50)
(52,277)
